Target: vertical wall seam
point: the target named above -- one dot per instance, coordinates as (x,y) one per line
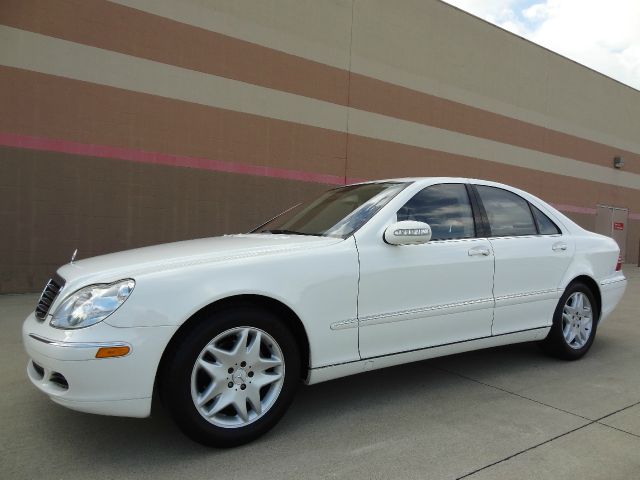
(346,143)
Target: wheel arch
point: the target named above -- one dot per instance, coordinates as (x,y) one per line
(593,286)
(289,317)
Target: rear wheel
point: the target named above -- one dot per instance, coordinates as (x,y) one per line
(574,323)
(232,377)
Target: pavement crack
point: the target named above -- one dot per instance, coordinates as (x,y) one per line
(466,475)
(618,429)
(617,411)
(590,422)
(514,394)
(598,421)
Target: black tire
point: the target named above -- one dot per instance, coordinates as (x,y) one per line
(176,377)
(555,343)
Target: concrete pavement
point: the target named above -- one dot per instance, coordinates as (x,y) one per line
(507,412)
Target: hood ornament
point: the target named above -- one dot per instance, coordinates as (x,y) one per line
(73,256)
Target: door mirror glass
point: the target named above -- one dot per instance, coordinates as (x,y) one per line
(407,232)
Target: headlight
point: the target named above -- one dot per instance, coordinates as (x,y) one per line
(91,304)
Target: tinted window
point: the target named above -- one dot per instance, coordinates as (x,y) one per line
(545,224)
(445,208)
(508,214)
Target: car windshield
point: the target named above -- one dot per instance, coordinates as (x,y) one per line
(336,213)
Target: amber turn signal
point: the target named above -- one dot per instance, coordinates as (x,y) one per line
(110,352)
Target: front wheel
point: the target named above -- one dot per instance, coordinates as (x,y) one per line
(231,378)
(574,323)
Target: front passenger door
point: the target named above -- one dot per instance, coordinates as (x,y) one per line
(418,296)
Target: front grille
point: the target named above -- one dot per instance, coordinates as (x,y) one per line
(49,294)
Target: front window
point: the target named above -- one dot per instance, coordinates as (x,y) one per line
(336,213)
(445,207)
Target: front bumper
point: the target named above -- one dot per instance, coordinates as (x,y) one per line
(63,366)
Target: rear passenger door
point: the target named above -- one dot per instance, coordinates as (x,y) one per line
(531,257)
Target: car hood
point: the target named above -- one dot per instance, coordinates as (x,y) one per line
(129,263)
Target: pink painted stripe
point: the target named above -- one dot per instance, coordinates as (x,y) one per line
(574,209)
(142,156)
(587,210)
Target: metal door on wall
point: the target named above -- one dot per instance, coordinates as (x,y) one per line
(612,222)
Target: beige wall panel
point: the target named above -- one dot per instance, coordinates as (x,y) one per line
(591,100)
(633,242)
(424,45)
(376,96)
(376,159)
(430,46)
(584,220)
(410,133)
(37,105)
(227,57)
(55,203)
(318,30)
(60,57)
(101,24)
(40,53)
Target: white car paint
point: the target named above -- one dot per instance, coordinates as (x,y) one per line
(363,304)
(434,293)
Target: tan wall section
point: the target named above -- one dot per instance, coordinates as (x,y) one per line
(430,46)
(237,59)
(133,122)
(633,242)
(318,30)
(375,159)
(99,24)
(53,203)
(60,108)
(95,65)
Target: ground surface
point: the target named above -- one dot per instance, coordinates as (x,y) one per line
(503,413)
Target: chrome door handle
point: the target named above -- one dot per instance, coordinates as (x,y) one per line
(559,246)
(484,251)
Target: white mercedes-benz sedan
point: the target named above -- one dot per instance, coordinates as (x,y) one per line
(366,276)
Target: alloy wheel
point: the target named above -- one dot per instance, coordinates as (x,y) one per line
(237,377)
(577,320)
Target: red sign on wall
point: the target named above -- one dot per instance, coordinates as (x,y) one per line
(618,225)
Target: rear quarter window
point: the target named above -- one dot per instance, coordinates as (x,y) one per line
(545,224)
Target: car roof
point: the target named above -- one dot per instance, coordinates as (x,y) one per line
(431,180)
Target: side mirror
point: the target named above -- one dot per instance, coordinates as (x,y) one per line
(407,232)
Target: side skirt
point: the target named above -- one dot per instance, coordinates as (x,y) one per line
(330,372)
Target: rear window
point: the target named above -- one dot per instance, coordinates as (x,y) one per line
(509,214)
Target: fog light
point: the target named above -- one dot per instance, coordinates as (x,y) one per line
(110,352)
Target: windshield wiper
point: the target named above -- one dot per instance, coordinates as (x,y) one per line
(290,232)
